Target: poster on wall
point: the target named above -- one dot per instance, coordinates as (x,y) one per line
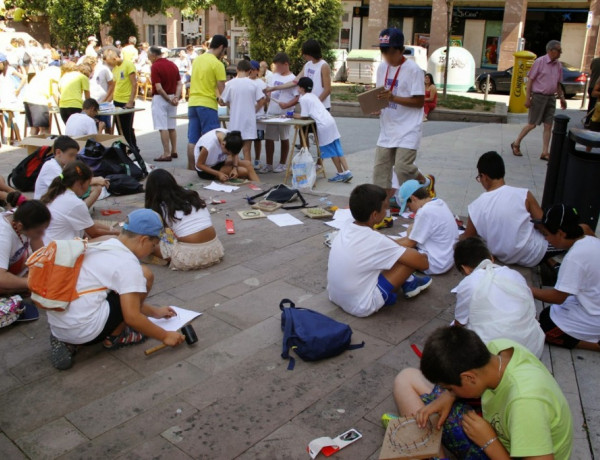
(490,52)
(421,40)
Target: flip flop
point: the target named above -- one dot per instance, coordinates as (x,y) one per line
(545,157)
(174,155)
(516,150)
(163,158)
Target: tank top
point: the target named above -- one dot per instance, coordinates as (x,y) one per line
(313,71)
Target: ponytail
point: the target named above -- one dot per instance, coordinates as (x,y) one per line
(15,199)
(76,171)
(233,142)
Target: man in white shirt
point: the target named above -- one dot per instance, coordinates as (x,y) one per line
(434,231)
(502,216)
(366,268)
(84,123)
(91,47)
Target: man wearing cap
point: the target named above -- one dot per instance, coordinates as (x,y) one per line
(208,77)
(434,231)
(91,48)
(400,122)
(573,319)
(117,315)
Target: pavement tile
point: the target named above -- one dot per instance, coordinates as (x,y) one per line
(51,440)
(592,418)
(587,366)
(121,405)
(156,449)
(9,450)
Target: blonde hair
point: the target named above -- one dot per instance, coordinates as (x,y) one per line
(84,69)
(67,67)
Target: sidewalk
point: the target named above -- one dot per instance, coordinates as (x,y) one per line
(230,395)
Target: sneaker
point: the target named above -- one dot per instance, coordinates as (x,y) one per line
(61,355)
(280,168)
(30,312)
(266,168)
(431,186)
(347,176)
(386,418)
(387,222)
(256,165)
(414,285)
(337,178)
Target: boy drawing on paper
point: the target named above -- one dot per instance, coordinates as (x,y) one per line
(366,269)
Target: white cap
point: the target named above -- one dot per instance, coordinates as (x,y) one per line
(92,38)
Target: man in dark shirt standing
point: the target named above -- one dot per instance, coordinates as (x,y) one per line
(166,91)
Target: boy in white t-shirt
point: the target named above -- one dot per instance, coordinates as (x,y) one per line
(118,315)
(502,216)
(366,268)
(327,132)
(244,99)
(84,123)
(280,102)
(400,122)
(494,301)
(434,231)
(573,320)
(260,127)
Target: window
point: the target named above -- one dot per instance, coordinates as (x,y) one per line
(157,35)
(152,35)
(162,35)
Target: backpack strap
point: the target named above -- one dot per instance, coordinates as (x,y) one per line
(283,303)
(287,332)
(303,205)
(251,199)
(356,346)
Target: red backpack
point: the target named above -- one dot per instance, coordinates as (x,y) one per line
(25,174)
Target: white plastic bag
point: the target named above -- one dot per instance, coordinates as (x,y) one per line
(304,171)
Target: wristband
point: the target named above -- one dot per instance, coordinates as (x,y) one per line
(489,443)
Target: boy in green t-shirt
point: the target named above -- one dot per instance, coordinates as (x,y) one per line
(525,414)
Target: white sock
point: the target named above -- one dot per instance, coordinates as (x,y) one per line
(388,213)
(410,278)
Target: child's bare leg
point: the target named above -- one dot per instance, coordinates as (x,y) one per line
(247,149)
(270,149)
(409,385)
(588,346)
(257,149)
(338,164)
(344,163)
(285,148)
(398,274)
(245,169)
(4,186)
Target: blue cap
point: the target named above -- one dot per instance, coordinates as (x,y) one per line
(391,37)
(144,222)
(255,65)
(405,192)
(3,57)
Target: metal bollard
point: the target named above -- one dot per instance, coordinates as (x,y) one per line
(487,87)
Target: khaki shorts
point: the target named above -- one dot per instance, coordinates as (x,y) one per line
(542,109)
(190,256)
(403,161)
(277,133)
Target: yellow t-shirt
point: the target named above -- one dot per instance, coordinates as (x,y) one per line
(129,53)
(207,70)
(122,83)
(71,86)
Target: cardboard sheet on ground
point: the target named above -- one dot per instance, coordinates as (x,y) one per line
(175,323)
(403,439)
(221,187)
(340,219)
(284,220)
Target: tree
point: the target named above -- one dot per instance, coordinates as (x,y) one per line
(72,21)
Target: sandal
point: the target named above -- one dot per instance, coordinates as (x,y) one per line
(516,150)
(545,157)
(174,155)
(125,338)
(163,158)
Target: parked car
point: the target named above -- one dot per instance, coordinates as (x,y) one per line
(573,81)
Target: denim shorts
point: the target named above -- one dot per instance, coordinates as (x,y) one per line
(202,120)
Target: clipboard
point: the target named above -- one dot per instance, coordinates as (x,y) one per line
(369,103)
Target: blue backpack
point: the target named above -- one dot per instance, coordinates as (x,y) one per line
(312,335)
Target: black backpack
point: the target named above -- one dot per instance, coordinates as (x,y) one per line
(114,160)
(122,184)
(25,174)
(281,194)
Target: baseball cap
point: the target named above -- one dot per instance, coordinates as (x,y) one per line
(92,38)
(3,57)
(405,192)
(118,42)
(391,37)
(144,222)
(559,216)
(255,65)
(306,83)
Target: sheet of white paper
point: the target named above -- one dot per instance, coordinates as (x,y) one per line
(176,322)
(339,224)
(402,234)
(342,214)
(406,225)
(284,220)
(406,215)
(220,187)
(341,218)
(278,120)
(103,194)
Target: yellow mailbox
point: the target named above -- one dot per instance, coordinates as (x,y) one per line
(518,90)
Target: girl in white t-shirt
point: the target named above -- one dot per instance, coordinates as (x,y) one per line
(70,215)
(195,243)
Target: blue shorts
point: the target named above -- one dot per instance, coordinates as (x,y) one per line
(202,120)
(387,290)
(332,150)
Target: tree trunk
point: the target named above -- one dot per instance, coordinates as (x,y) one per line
(449,7)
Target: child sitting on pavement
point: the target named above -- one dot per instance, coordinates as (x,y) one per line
(196,243)
(85,123)
(366,268)
(70,216)
(216,156)
(327,132)
(118,315)
(494,301)
(502,216)
(434,231)
(525,414)
(573,319)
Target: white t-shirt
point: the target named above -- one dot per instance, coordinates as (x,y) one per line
(211,143)
(99,82)
(194,222)
(502,220)
(242,94)
(496,302)
(80,124)
(70,217)
(579,275)
(400,126)
(313,71)
(50,169)
(110,265)
(436,233)
(14,251)
(358,256)
(284,96)
(312,107)
(261,86)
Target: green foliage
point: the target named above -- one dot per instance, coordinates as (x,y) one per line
(72,21)
(122,27)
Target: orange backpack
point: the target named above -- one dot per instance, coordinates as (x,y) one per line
(53,274)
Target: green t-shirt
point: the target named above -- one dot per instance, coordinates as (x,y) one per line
(123,85)
(528,409)
(207,70)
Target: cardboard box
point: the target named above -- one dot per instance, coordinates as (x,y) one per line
(105,139)
(32,143)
